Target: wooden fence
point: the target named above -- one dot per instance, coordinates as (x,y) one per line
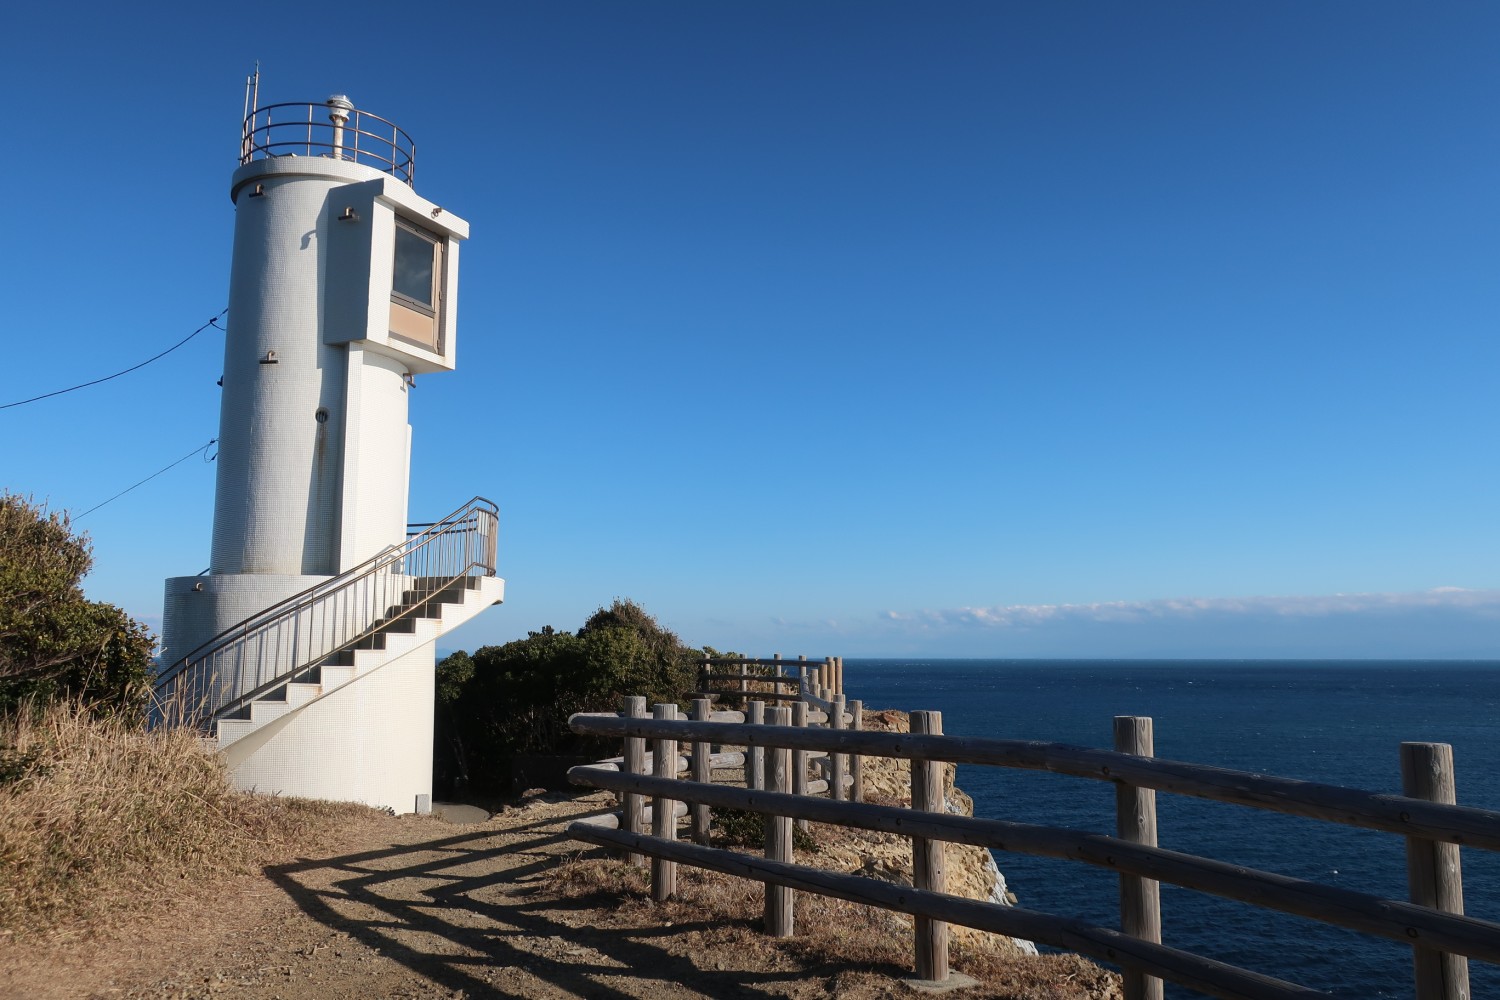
(1433,923)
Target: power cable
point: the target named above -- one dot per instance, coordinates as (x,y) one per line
(48,395)
(184,458)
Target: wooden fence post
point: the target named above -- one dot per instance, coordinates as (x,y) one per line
(857,762)
(1135,821)
(663,811)
(702,772)
(928,863)
(778,914)
(1433,874)
(839,762)
(755,757)
(744,684)
(799,758)
(635,763)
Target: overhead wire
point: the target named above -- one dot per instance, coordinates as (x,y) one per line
(201,449)
(48,395)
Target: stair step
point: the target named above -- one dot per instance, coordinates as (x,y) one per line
(229,730)
(263,710)
(298,693)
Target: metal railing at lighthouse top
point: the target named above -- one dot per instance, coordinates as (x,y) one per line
(274,646)
(334,129)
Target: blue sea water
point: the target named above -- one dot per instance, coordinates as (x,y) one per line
(1339,722)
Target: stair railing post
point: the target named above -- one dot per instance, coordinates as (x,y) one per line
(1135,820)
(778,907)
(1433,874)
(929,869)
(857,762)
(635,764)
(799,758)
(701,772)
(755,756)
(664,810)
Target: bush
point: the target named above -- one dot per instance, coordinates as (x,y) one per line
(55,643)
(515,699)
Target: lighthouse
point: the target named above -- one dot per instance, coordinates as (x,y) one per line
(307,649)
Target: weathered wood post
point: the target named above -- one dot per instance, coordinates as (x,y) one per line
(778,915)
(1135,821)
(799,758)
(839,763)
(927,856)
(702,772)
(1433,874)
(744,683)
(755,757)
(663,810)
(635,763)
(838,673)
(857,762)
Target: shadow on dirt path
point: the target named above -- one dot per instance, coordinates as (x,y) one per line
(463,913)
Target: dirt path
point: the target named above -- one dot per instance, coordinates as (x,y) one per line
(421,908)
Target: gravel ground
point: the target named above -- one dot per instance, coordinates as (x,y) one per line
(418,907)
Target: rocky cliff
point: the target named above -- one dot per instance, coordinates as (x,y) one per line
(972,871)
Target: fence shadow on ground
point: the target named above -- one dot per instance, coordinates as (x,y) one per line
(465,913)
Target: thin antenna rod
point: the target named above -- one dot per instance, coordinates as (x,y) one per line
(252,98)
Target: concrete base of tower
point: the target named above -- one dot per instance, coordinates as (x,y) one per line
(365,738)
(198,608)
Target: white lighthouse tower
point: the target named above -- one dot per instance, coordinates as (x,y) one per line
(308,647)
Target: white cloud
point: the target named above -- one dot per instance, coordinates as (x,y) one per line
(1477,603)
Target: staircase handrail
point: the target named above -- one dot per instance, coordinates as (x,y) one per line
(477,518)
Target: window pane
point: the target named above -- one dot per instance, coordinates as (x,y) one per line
(413,272)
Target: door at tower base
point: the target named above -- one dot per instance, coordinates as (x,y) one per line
(368,741)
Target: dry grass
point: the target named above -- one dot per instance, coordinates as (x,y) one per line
(99,819)
(856,949)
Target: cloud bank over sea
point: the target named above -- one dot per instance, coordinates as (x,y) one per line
(1440,622)
(1443,622)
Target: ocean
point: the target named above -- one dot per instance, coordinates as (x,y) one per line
(1338,722)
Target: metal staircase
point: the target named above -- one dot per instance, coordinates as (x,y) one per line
(304,647)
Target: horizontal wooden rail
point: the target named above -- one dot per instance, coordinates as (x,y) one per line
(1410,817)
(1194,971)
(749,695)
(614,820)
(1406,923)
(726,759)
(757,678)
(721,716)
(733,661)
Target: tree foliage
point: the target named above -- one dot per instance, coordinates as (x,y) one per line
(516,698)
(54,642)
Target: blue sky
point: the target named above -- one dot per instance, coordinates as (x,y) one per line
(989,329)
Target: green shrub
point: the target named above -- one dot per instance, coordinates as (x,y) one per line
(516,698)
